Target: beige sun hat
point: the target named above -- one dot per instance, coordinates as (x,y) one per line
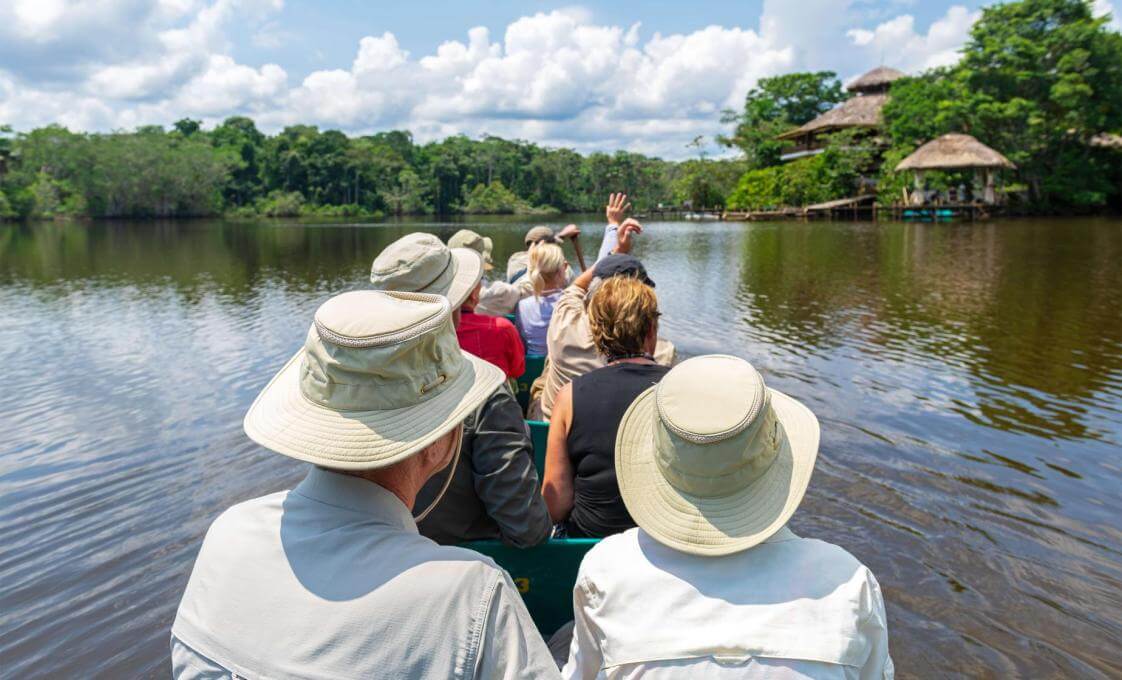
(466,238)
(421,263)
(380,377)
(710,461)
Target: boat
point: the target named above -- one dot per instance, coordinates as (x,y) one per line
(545,574)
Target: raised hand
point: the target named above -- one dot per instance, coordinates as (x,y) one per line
(617,208)
(570,231)
(627,233)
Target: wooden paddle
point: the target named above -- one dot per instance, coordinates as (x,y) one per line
(580,253)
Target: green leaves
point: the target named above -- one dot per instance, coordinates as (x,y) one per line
(776,105)
(1037,80)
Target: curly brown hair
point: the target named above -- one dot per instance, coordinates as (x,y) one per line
(621,315)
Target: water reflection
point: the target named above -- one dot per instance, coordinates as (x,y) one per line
(968,378)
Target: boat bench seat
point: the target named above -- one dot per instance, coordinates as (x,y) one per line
(545,575)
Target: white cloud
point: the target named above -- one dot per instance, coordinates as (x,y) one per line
(557,77)
(898,43)
(1104,7)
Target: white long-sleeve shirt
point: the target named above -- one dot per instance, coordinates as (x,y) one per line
(788,608)
(331,580)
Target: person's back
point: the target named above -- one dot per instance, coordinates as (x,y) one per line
(548,274)
(712,464)
(494,339)
(330,580)
(600,399)
(788,608)
(494,489)
(533,317)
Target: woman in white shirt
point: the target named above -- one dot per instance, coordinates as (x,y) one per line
(711,465)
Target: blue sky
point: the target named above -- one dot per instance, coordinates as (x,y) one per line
(647,77)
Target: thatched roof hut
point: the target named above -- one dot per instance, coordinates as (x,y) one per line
(876,80)
(859,111)
(954,151)
(1107,140)
(863,111)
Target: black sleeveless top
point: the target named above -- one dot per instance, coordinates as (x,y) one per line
(600,399)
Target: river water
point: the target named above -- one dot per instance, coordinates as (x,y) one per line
(968,378)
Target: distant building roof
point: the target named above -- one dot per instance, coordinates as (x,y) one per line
(1107,140)
(860,111)
(952,151)
(876,79)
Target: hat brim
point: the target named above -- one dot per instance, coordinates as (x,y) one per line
(469,272)
(488,247)
(714,525)
(283,420)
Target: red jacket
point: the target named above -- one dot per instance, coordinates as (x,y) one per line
(494,339)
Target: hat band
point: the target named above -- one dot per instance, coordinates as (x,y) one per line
(718,468)
(379,378)
(443,279)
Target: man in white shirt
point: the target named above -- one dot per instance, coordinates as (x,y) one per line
(711,465)
(331,579)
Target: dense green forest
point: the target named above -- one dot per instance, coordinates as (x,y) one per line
(235,168)
(1038,80)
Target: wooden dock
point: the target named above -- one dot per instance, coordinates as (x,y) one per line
(865,207)
(853,207)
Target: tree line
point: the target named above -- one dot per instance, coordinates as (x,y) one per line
(236,169)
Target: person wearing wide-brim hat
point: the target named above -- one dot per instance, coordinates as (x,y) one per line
(466,238)
(493,492)
(711,465)
(496,298)
(421,262)
(331,579)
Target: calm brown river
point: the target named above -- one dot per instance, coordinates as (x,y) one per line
(968,378)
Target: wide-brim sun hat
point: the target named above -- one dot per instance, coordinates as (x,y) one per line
(466,238)
(421,263)
(711,461)
(379,378)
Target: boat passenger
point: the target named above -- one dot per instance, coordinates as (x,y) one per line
(494,490)
(518,265)
(713,584)
(570,347)
(415,261)
(493,338)
(579,484)
(331,579)
(497,298)
(549,272)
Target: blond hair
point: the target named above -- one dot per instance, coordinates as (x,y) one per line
(546,259)
(621,315)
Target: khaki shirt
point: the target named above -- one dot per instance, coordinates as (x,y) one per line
(331,579)
(571,350)
(517,262)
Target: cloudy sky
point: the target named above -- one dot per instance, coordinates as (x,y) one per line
(647,76)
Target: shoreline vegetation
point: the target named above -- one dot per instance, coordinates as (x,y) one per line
(1038,80)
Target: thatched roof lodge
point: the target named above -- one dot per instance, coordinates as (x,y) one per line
(861,111)
(877,80)
(954,151)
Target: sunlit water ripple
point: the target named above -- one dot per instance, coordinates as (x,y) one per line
(968,378)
